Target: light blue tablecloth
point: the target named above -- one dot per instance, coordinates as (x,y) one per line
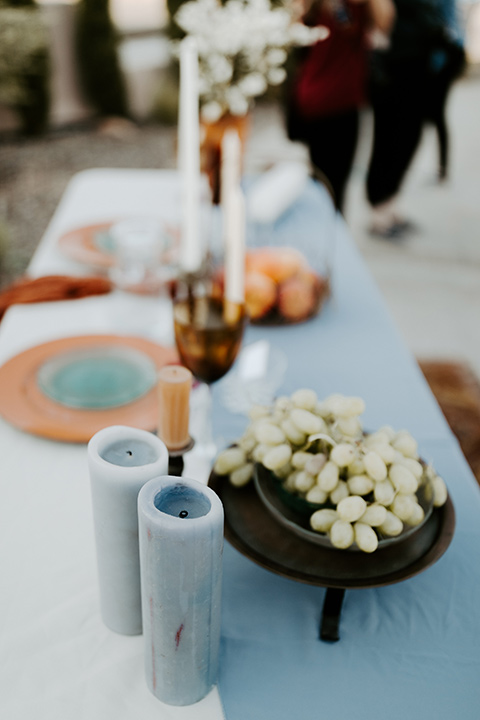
(406,650)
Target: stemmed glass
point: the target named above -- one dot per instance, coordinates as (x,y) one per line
(208,334)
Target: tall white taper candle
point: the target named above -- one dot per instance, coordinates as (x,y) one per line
(121,460)
(189,156)
(235,249)
(230,169)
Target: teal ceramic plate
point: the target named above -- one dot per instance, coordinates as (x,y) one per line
(97,378)
(103,240)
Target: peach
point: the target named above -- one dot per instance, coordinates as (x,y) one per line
(278,263)
(260,294)
(298,297)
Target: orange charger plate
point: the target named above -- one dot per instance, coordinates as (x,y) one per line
(80,245)
(24,405)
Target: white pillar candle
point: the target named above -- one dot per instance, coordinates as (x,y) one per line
(235,249)
(181,544)
(121,460)
(189,156)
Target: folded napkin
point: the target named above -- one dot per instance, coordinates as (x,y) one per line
(51,287)
(276,190)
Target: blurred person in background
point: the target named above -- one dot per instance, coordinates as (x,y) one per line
(410,80)
(327,88)
(447,63)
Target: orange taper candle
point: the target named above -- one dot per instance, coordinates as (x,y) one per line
(174,383)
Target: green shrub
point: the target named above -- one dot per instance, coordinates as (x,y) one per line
(20,3)
(97,43)
(165,103)
(4,240)
(24,64)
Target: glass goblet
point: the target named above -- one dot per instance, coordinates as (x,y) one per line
(208,334)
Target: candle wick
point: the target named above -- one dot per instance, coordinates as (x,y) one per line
(129,452)
(183,513)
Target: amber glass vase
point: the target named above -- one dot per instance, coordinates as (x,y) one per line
(211,136)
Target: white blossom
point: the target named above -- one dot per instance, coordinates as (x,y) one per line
(276,75)
(276,56)
(253,84)
(237,102)
(212,111)
(220,67)
(242,47)
(303,35)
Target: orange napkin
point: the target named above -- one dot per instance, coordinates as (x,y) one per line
(51,287)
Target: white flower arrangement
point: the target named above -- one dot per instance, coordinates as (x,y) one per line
(242,49)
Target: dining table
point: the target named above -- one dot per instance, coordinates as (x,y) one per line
(408,647)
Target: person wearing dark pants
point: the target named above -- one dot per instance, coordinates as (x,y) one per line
(398,111)
(329,86)
(409,85)
(332,161)
(447,64)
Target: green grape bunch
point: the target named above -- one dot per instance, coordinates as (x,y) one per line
(366,485)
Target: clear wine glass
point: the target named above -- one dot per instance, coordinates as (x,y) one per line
(208,335)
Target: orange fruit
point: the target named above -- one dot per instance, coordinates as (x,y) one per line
(260,294)
(298,297)
(279,264)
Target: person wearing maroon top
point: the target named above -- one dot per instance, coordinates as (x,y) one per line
(329,86)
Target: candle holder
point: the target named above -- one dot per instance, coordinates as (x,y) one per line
(175,459)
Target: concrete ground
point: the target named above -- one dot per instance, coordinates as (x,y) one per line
(430,281)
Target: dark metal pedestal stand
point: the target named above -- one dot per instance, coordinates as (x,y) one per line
(332,608)
(252,530)
(175,459)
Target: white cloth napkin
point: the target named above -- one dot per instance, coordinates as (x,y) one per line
(275,191)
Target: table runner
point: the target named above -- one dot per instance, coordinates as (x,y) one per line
(405,650)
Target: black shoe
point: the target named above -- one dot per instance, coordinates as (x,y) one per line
(398,230)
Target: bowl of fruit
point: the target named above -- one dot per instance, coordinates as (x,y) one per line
(327,480)
(281,286)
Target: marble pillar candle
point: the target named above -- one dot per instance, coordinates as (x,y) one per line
(181,544)
(120,461)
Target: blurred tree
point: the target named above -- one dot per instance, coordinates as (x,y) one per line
(173,30)
(24,64)
(97,43)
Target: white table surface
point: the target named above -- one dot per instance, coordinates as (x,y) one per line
(57,660)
